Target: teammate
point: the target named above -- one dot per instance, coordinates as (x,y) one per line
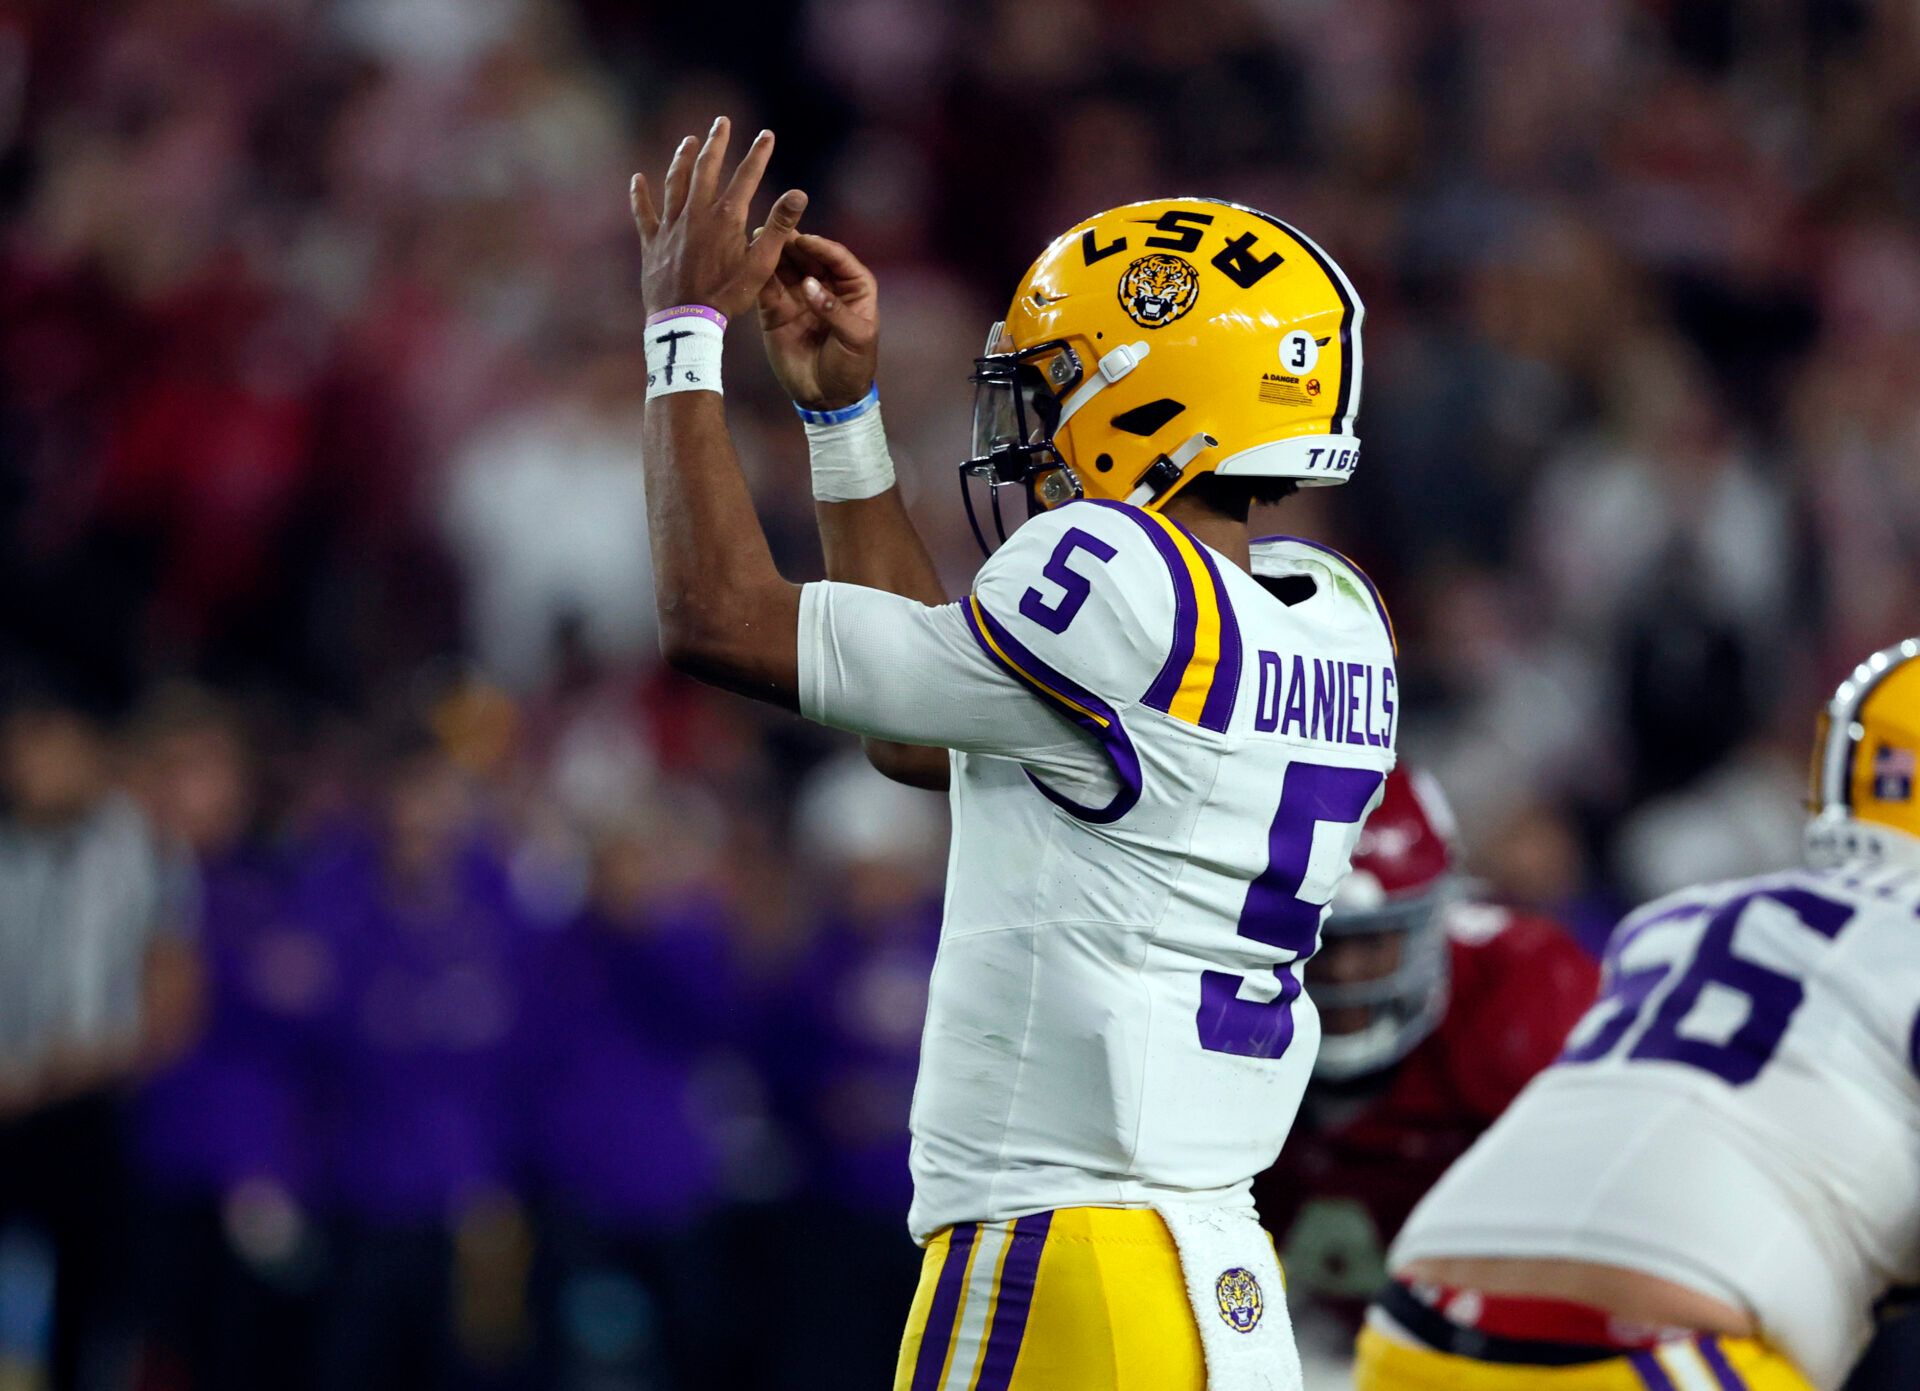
(1435,1010)
(1719,1177)
(1158,769)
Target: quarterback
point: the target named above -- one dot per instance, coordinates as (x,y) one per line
(1720,1177)
(1157,768)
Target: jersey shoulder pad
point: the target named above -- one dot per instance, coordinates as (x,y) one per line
(1118,601)
(1350,594)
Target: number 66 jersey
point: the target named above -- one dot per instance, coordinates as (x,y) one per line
(1739,1113)
(1160,769)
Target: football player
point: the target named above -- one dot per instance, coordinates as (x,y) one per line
(1157,768)
(1435,1010)
(1717,1180)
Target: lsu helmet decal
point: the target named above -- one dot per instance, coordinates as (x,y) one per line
(1865,750)
(1158,289)
(1161,341)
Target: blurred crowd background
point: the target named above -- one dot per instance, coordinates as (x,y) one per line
(404,981)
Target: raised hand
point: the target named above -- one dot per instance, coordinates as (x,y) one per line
(694,246)
(820,314)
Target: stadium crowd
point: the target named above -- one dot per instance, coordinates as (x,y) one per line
(434,991)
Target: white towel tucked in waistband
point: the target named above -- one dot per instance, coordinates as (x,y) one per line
(1233,1282)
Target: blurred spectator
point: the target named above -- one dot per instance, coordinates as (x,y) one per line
(411,903)
(97,983)
(842,1046)
(224,1136)
(548,515)
(634,1047)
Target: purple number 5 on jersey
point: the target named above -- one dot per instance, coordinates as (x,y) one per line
(1275,914)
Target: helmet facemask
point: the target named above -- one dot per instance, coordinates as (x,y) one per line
(1016,411)
(1403,1004)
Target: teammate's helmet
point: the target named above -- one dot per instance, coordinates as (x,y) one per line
(1865,746)
(1400,888)
(1161,341)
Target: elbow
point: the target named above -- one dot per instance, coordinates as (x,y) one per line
(912,764)
(740,641)
(700,637)
(687,634)
(688,648)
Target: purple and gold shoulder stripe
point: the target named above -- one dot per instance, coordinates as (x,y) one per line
(1075,701)
(1200,679)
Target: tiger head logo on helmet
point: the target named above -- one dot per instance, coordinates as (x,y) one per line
(1158,289)
(1162,341)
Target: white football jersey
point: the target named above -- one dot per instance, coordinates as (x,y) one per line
(1739,1113)
(1160,770)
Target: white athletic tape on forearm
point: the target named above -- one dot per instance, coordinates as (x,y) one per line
(683,350)
(848,450)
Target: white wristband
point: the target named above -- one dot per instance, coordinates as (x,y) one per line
(683,350)
(848,451)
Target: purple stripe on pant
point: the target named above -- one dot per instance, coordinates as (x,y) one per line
(1651,1373)
(938,1332)
(1716,1361)
(1017,1279)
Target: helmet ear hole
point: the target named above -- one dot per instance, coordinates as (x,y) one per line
(1149,419)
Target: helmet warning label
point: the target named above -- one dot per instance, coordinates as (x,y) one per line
(1279,390)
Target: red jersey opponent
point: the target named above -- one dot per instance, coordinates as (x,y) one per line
(1436,1011)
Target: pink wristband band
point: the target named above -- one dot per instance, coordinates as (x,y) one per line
(682,311)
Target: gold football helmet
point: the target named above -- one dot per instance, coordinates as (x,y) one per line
(1165,340)
(1865,746)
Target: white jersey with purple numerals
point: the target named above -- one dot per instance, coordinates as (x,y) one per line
(1159,773)
(1739,1113)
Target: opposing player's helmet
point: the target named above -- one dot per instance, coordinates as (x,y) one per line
(1165,340)
(1865,746)
(1400,889)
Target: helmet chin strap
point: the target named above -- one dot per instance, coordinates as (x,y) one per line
(1166,471)
(1111,369)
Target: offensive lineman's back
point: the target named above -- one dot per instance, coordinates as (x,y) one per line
(1720,1177)
(1739,1113)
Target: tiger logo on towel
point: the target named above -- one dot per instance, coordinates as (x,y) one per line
(1238,1294)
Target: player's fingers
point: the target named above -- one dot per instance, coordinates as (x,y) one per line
(855,330)
(740,189)
(787,274)
(640,199)
(839,263)
(706,165)
(763,254)
(679,175)
(784,283)
(795,265)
